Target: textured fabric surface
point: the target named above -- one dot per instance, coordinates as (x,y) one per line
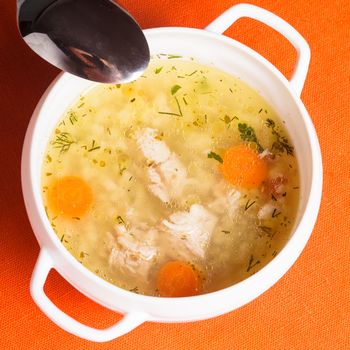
(309,308)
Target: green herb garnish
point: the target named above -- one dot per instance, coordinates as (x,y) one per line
(275,213)
(247,133)
(121,170)
(173,56)
(227,120)
(189,75)
(63,142)
(83,254)
(281,144)
(158,70)
(179,114)
(120,220)
(73,118)
(251,263)
(248,204)
(215,156)
(175,89)
(93,146)
(134,290)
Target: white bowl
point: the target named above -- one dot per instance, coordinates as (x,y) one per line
(211,48)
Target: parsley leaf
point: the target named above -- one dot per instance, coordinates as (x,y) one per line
(158,70)
(247,133)
(215,156)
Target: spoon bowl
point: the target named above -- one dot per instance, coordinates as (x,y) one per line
(93,39)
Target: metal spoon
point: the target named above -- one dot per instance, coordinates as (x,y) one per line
(94,39)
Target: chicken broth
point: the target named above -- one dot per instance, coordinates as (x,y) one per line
(180,183)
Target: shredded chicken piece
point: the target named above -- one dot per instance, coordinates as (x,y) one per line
(266,154)
(152,148)
(132,254)
(226,201)
(167,175)
(193,228)
(265,211)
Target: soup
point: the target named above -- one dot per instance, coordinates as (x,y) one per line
(180,183)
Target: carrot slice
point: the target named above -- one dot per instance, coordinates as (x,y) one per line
(70,196)
(178,279)
(242,167)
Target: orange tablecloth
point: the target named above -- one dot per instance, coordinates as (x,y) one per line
(309,308)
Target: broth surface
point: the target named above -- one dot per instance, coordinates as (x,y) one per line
(137,175)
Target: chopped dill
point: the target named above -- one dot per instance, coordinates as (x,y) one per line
(281,144)
(170,113)
(158,70)
(173,56)
(251,263)
(185,102)
(73,118)
(120,220)
(134,290)
(275,213)
(63,142)
(83,254)
(189,75)
(81,105)
(179,114)
(215,156)
(265,229)
(178,105)
(93,147)
(249,204)
(225,232)
(48,174)
(227,120)
(109,131)
(121,170)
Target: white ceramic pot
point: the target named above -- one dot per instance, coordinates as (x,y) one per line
(209,47)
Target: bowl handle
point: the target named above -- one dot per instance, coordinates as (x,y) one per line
(225,20)
(42,268)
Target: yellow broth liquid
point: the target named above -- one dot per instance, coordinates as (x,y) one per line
(196,110)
